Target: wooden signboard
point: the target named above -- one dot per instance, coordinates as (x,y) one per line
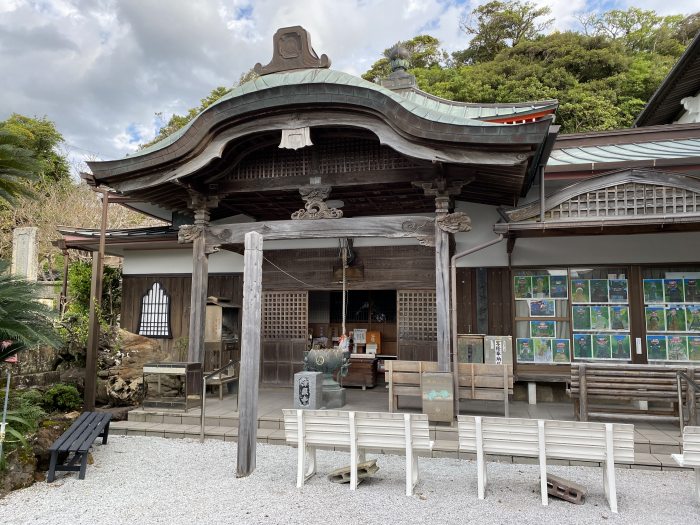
(470,348)
(437,391)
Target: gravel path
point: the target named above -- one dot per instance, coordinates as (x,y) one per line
(172,481)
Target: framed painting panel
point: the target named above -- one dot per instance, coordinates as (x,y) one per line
(542,308)
(543,349)
(599,291)
(600,318)
(582,346)
(561,351)
(675,318)
(656,348)
(581,317)
(522,287)
(677,347)
(601,346)
(540,286)
(692,317)
(621,346)
(619,318)
(558,287)
(673,291)
(618,291)
(580,291)
(525,350)
(653,291)
(655,317)
(692,290)
(543,328)
(694,347)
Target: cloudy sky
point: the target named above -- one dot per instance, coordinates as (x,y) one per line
(102,69)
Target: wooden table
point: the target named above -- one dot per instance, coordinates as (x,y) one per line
(362,372)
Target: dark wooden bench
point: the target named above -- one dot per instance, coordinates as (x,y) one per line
(74,443)
(614,382)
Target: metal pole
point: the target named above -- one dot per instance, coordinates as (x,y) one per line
(4,413)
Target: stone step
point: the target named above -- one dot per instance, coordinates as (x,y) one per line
(442,448)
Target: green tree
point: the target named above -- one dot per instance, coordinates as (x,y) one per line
(424,53)
(40,136)
(18,167)
(24,321)
(498,25)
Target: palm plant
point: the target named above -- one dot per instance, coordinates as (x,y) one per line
(24,321)
(18,165)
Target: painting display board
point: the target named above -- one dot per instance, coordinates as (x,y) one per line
(672,318)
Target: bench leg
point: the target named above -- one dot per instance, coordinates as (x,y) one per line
(353,451)
(105,433)
(697,483)
(410,456)
(83,465)
(480,461)
(52,467)
(543,462)
(532,393)
(609,477)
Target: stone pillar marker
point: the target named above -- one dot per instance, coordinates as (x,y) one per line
(25,261)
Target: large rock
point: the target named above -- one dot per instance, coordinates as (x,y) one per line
(123,384)
(19,472)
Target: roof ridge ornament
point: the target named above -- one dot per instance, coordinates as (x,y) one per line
(292,50)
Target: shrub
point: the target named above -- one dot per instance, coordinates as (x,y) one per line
(62,397)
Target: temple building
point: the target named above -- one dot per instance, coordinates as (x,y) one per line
(580,247)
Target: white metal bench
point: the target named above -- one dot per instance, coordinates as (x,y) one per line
(357,431)
(691,454)
(543,439)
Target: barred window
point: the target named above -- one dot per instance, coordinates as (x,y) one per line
(155,313)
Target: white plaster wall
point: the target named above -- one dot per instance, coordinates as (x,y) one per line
(483,218)
(605,249)
(140,262)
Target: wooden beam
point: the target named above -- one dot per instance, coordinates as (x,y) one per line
(250,354)
(340,180)
(395,226)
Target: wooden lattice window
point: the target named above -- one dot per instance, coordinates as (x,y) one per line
(628,200)
(285,315)
(154,320)
(417,315)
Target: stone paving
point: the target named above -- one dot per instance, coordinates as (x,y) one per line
(654,442)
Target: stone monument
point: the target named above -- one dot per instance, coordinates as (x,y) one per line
(308,390)
(25,262)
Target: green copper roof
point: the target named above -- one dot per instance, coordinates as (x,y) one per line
(417,102)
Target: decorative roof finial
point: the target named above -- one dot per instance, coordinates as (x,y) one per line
(399,58)
(292,50)
(399,79)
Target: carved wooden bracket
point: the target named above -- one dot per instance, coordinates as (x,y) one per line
(454,222)
(422,230)
(292,50)
(315,207)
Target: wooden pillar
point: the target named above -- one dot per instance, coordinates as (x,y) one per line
(250,353)
(93,319)
(200,277)
(442,285)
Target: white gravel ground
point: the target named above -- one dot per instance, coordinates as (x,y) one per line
(172,481)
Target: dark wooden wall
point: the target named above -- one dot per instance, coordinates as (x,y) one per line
(178,289)
(497,310)
(385,268)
